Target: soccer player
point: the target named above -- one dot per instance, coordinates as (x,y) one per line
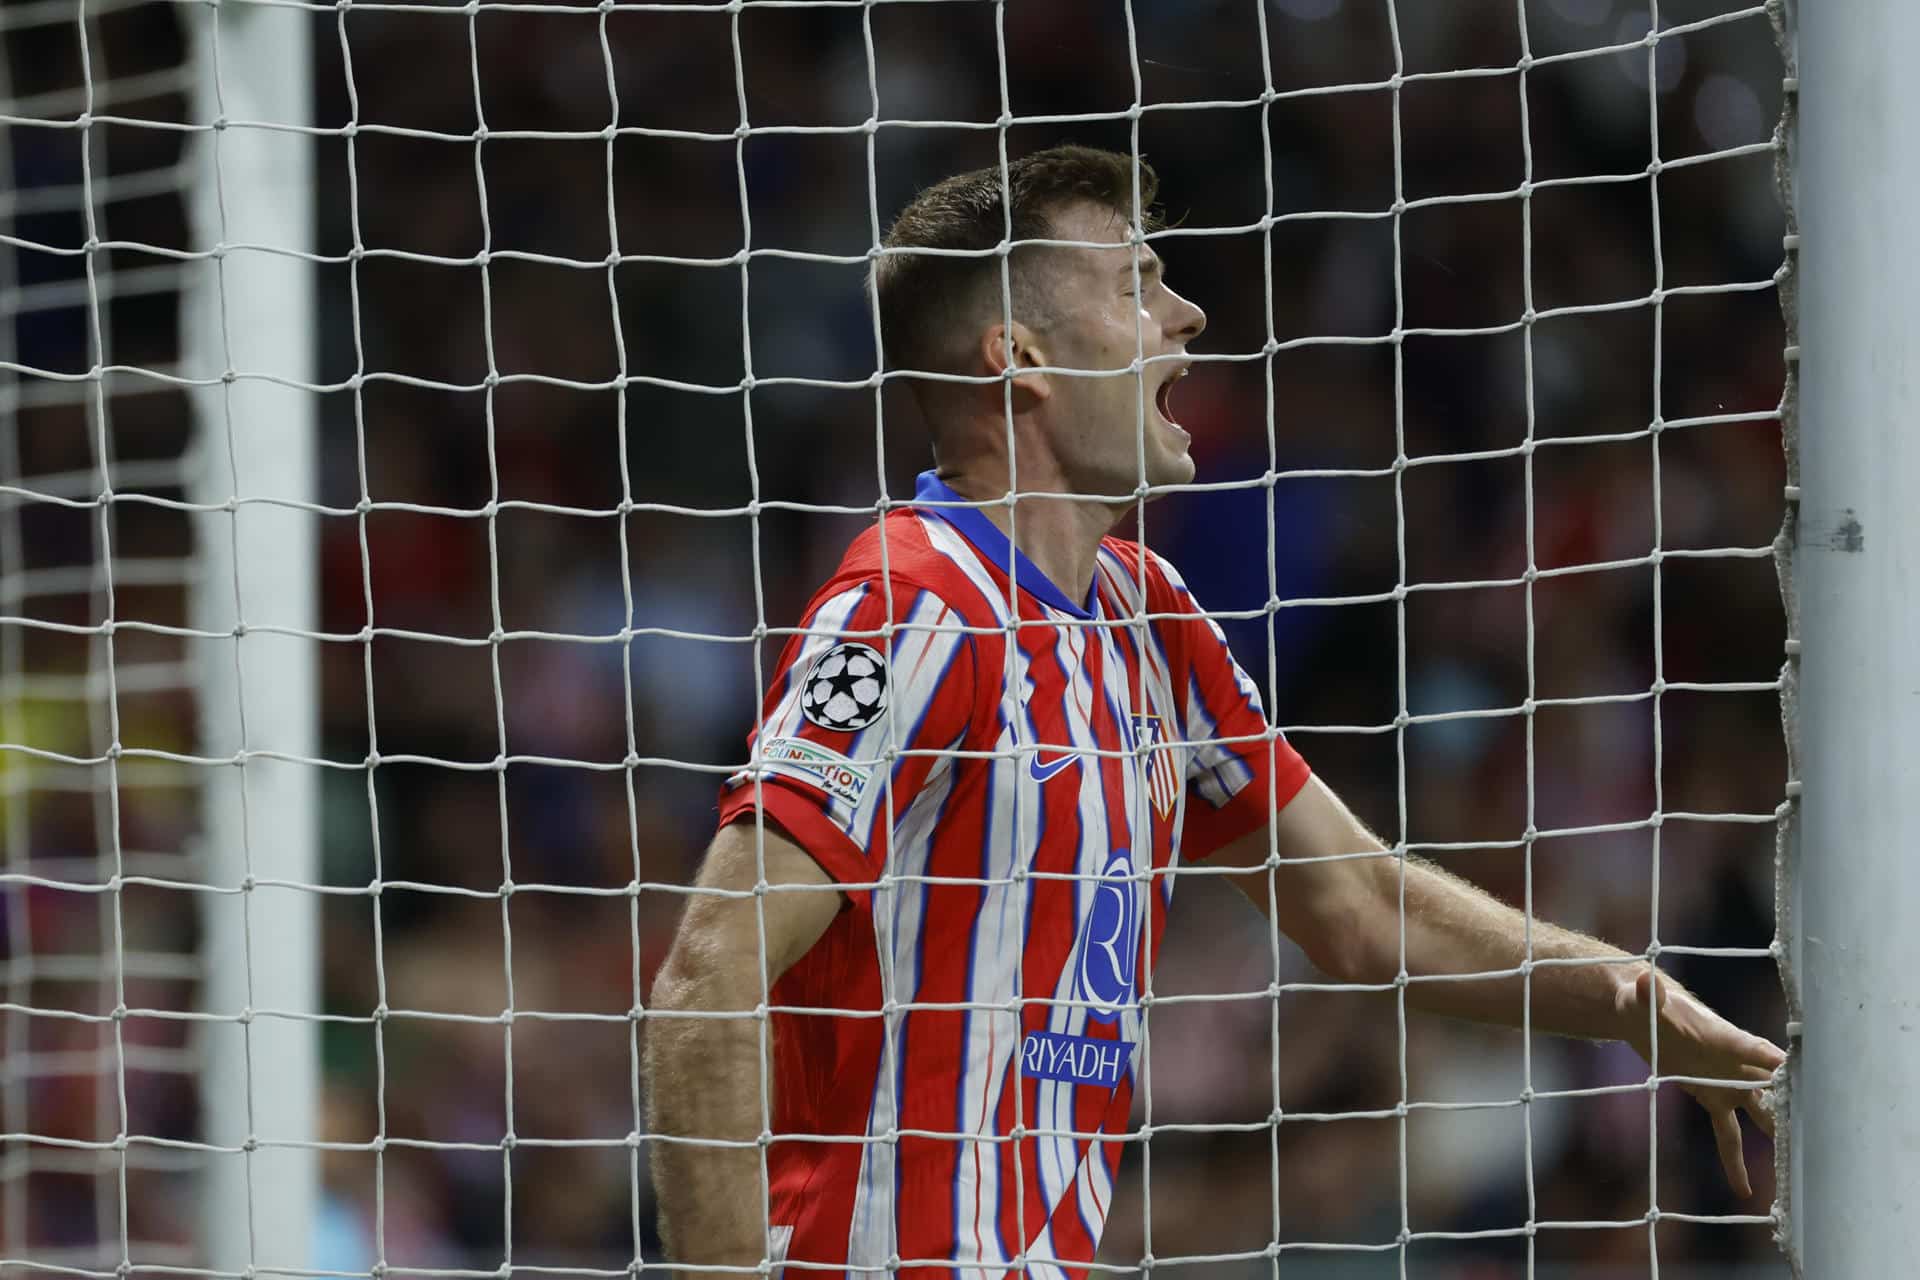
(975,778)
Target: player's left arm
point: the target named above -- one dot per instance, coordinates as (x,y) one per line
(1346,913)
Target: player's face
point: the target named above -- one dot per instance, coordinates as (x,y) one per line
(1099,428)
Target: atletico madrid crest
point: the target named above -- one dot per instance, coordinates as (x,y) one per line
(1163,779)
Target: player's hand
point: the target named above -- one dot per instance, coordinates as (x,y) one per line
(1696,1041)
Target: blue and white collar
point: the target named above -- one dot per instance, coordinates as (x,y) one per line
(995,548)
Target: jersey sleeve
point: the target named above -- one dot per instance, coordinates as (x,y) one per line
(1238,776)
(842,695)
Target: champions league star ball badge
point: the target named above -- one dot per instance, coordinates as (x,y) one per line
(845,688)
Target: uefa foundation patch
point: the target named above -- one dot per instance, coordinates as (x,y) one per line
(812,763)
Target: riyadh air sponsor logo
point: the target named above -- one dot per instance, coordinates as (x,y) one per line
(1040,772)
(1075,1059)
(1110,941)
(1107,957)
(810,762)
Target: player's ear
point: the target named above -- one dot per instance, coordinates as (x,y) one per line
(1016,347)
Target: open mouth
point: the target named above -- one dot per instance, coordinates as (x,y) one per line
(1163,398)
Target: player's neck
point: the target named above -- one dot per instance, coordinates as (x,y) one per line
(1061,536)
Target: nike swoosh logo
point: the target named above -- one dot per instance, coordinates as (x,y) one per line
(1041,772)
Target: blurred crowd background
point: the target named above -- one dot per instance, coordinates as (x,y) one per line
(684,455)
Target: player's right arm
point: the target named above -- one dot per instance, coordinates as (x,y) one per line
(845,694)
(703,1067)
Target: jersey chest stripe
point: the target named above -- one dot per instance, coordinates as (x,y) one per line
(976,1193)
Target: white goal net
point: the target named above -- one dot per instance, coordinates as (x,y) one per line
(1488,428)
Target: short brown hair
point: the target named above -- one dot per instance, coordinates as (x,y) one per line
(920,295)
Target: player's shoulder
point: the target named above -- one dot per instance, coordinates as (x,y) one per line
(1124,555)
(897,555)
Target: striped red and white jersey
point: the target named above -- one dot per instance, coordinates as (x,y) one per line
(1000,781)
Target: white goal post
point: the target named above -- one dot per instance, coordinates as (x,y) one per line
(252,335)
(1854,596)
(160,989)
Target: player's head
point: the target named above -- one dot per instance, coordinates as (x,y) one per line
(1071,308)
